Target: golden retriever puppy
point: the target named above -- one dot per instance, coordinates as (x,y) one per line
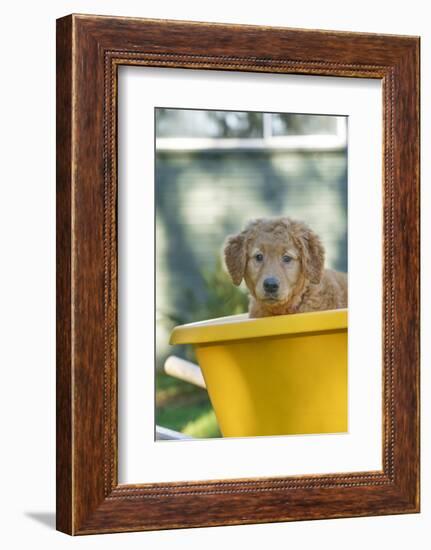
(282,263)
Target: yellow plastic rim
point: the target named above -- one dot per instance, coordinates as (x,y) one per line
(240,327)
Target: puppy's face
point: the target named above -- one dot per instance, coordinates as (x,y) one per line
(273,267)
(276,258)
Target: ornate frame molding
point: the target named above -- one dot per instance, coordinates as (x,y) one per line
(89,498)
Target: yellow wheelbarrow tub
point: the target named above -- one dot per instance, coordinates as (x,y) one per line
(281,375)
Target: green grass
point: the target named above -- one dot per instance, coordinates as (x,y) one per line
(185,408)
(205,425)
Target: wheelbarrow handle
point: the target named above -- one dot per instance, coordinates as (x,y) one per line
(184,370)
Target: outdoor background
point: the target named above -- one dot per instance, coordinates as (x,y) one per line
(216,170)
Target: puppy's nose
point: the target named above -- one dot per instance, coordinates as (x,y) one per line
(271,284)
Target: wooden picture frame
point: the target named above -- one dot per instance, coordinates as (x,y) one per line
(89,51)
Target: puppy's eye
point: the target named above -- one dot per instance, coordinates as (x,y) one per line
(259,257)
(287,259)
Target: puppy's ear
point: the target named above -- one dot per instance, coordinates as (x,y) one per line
(313,256)
(234,257)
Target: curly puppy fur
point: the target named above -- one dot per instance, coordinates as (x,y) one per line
(282,263)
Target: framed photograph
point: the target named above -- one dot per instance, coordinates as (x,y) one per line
(237,274)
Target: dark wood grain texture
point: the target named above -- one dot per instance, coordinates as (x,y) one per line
(64,287)
(89,51)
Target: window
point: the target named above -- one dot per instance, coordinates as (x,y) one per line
(189,130)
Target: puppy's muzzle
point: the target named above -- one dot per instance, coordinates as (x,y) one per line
(271,285)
